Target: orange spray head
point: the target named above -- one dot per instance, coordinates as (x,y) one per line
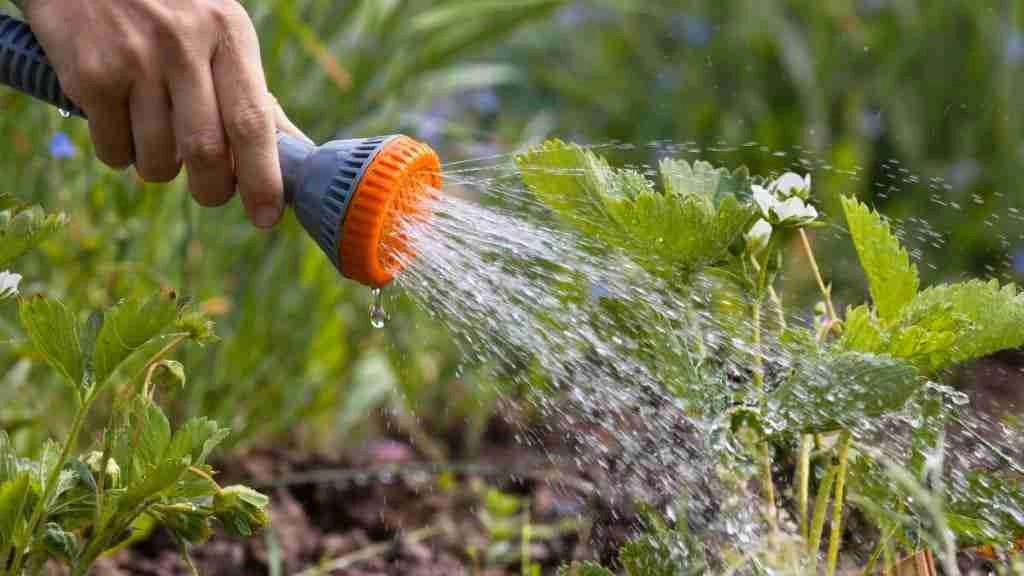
(352,195)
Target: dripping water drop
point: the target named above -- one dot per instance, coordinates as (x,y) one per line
(378,316)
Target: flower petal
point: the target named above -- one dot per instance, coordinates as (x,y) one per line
(9,282)
(765,200)
(791,184)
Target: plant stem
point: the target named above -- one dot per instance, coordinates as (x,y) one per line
(880,549)
(524,546)
(836,536)
(767,484)
(818,522)
(804,478)
(38,514)
(825,292)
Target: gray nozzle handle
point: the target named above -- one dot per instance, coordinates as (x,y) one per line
(24,67)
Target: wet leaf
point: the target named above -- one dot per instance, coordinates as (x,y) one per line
(828,390)
(53,330)
(862,333)
(980,318)
(691,224)
(989,510)
(892,277)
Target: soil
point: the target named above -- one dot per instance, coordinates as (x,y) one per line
(382,510)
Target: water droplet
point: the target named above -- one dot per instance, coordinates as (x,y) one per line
(64,113)
(378,316)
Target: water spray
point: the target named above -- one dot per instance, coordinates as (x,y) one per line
(349,195)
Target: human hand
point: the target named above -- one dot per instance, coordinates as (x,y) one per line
(170,81)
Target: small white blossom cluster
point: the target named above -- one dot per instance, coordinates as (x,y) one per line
(9,282)
(783,203)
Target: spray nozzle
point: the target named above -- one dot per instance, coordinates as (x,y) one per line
(351,195)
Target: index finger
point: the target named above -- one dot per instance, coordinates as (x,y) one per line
(248,112)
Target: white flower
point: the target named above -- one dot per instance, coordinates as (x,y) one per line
(759,236)
(9,284)
(790,184)
(784,201)
(765,200)
(795,211)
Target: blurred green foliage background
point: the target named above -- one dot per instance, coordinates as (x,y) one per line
(909,104)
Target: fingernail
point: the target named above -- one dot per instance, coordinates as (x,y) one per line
(266,215)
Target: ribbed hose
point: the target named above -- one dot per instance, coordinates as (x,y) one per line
(24,67)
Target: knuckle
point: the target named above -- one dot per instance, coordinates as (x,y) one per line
(249,123)
(90,76)
(204,148)
(228,15)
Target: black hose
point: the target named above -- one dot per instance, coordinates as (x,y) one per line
(24,67)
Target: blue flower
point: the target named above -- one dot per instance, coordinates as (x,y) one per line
(1018,261)
(62,147)
(1015,47)
(698,31)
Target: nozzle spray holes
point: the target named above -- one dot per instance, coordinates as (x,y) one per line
(378,316)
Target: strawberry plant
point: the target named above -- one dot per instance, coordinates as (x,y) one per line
(809,392)
(72,505)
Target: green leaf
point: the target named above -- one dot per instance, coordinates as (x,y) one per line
(862,333)
(154,481)
(189,523)
(53,330)
(574,183)
(702,181)
(8,459)
(977,318)
(500,504)
(152,434)
(988,510)
(22,230)
(193,487)
(892,278)
(7,201)
(15,497)
(168,374)
(657,555)
(197,439)
(129,326)
(61,544)
(829,390)
(584,569)
(241,510)
(690,224)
